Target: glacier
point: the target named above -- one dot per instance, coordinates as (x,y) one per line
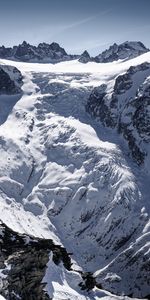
(64,176)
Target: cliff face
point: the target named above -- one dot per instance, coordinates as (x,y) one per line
(10,80)
(126,108)
(23,261)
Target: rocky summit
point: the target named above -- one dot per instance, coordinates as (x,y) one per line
(54,53)
(85,57)
(125,50)
(43,52)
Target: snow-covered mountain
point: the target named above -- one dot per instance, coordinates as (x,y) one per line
(124,105)
(125,50)
(42,53)
(53,53)
(74,188)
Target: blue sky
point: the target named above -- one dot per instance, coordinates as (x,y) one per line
(75,24)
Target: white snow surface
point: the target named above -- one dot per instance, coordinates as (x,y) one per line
(64,285)
(63,176)
(2,298)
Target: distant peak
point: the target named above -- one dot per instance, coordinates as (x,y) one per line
(24,43)
(126,50)
(53,52)
(54,44)
(134,43)
(85,57)
(85,54)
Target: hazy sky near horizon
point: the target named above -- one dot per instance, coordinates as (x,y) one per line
(75,24)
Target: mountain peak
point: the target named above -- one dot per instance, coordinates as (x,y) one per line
(85,57)
(24,43)
(43,52)
(134,44)
(126,50)
(54,53)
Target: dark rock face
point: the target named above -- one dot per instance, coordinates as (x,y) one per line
(115,52)
(125,50)
(89,281)
(139,124)
(85,57)
(7,86)
(127,108)
(24,51)
(23,262)
(43,52)
(53,53)
(26,274)
(28,52)
(10,83)
(27,257)
(53,47)
(97,106)
(5,52)
(123,83)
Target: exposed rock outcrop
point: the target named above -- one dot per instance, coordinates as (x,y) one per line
(43,52)
(125,50)
(53,53)
(126,108)
(85,57)
(23,261)
(10,80)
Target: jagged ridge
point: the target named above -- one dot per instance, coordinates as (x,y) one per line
(53,53)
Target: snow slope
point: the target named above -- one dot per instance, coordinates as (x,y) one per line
(64,285)
(64,176)
(1,298)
